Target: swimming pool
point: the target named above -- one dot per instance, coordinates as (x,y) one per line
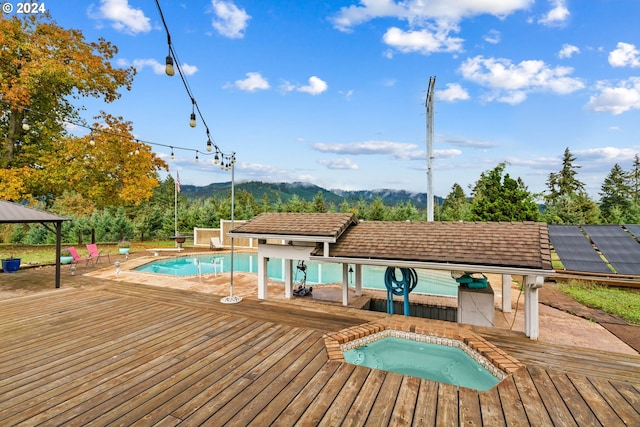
(446,361)
(432,282)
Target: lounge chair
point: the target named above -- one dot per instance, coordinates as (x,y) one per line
(77,258)
(215,243)
(95,254)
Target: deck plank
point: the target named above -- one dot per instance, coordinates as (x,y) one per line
(491,408)
(553,402)
(601,409)
(359,411)
(126,354)
(427,403)
(537,414)
(402,414)
(573,399)
(622,407)
(470,414)
(512,407)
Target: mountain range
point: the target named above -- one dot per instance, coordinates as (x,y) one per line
(306,191)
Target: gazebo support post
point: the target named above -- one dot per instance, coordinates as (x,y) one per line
(288,284)
(345,284)
(531,321)
(58,243)
(358,280)
(506,293)
(262,276)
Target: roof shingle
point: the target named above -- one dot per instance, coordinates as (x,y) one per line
(298,224)
(512,244)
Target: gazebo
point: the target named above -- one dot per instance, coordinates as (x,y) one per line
(14,213)
(506,248)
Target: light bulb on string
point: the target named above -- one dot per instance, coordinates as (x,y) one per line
(209,145)
(216,159)
(91,140)
(168,69)
(137,147)
(192,120)
(25,125)
(172,155)
(197,158)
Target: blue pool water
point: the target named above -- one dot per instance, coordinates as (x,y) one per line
(450,365)
(432,282)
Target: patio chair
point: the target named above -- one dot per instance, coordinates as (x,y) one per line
(77,258)
(215,243)
(95,254)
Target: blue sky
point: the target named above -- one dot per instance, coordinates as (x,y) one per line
(333,92)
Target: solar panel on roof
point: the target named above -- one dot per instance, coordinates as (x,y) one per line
(633,229)
(620,248)
(575,250)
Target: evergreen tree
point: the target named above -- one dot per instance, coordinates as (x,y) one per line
(565,181)
(455,206)
(615,195)
(498,197)
(634,178)
(377,210)
(318,205)
(567,201)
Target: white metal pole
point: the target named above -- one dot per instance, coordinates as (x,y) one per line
(429,105)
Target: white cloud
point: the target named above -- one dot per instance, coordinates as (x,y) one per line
(157,67)
(342,163)
(493,37)
(188,70)
(229,20)
(416,11)
(625,55)
(557,15)
(617,100)
(423,41)
(446,154)
(124,18)
(607,155)
(568,51)
(252,83)
(511,82)
(398,150)
(315,87)
(465,142)
(430,23)
(453,92)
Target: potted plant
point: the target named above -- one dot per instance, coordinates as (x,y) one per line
(65,256)
(11,265)
(124,247)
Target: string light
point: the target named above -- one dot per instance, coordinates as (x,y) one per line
(91,140)
(25,125)
(172,59)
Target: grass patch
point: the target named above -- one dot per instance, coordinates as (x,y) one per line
(624,303)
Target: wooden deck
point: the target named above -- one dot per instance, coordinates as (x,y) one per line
(126,354)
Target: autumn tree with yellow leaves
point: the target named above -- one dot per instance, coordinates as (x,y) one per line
(43,69)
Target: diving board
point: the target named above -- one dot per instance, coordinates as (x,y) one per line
(618,246)
(575,251)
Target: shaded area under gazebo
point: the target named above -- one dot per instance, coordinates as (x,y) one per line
(14,213)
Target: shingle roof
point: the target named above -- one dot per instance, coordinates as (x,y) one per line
(14,213)
(330,225)
(517,244)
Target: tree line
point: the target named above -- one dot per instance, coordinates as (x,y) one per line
(496,196)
